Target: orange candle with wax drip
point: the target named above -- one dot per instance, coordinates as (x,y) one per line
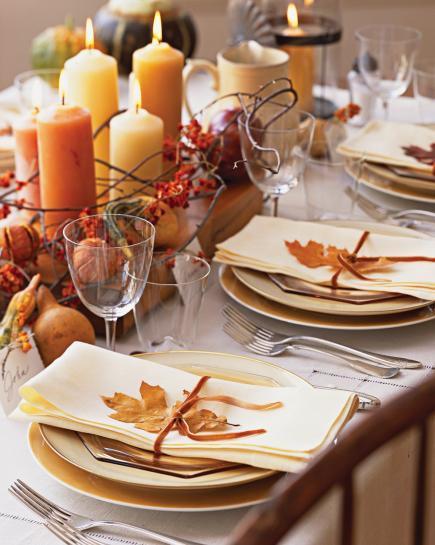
(66,161)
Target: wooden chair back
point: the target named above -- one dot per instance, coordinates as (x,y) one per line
(295,496)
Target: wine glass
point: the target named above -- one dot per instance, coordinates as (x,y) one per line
(386,59)
(109,256)
(275,143)
(424,90)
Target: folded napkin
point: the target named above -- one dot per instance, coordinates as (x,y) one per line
(260,245)
(68,394)
(382,141)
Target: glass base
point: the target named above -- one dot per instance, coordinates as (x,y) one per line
(165,345)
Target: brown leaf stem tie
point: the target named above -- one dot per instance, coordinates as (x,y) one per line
(177,418)
(151,413)
(314,255)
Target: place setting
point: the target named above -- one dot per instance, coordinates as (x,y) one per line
(200,298)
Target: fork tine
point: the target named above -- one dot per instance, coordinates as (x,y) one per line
(247,337)
(39,500)
(31,505)
(234,315)
(234,334)
(60,510)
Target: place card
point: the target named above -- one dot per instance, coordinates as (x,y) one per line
(16,368)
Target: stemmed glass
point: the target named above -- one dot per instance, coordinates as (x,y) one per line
(275,144)
(109,256)
(386,59)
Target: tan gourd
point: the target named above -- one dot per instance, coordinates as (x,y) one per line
(57,327)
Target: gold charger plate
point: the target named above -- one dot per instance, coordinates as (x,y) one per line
(68,445)
(389,187)
(259,304)
(85,482)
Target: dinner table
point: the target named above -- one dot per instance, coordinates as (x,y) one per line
(19,526)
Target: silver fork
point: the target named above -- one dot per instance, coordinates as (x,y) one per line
(52,513)
(405,218)
(276,350)
(264,335)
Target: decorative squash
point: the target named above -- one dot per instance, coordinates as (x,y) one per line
(55,45)
(19,243)
(57,327)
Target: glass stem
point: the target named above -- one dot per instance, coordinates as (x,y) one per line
(110,333)
(275,206)
(386,107)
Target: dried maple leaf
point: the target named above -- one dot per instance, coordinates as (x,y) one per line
(423,156)
(314,254)
(151,413)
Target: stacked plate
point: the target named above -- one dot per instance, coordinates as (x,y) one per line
(112,471)
(307,304)
(395,181)
(397,159)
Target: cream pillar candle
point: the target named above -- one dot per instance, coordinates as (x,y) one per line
(158,68)
(134,135)
(92,83)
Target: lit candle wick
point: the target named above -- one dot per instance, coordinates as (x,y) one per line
(89,34)
(157,28)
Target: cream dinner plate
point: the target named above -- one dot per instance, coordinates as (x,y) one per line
(68,446)
(156,499)
(306,310)
(260,283)
(384,185)
(414,183)
(259,304)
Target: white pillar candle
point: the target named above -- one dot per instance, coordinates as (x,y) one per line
(134,135)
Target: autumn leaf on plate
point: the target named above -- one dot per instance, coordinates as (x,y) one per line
(151,412)
(314,254)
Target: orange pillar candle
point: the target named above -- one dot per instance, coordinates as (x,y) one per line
(26,159)
(26,152)
(158,67)
(66,162)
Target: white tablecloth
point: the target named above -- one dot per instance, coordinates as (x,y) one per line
(18,526)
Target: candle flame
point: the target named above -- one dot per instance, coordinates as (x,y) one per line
(292,16)
(89,35)
(137,95)
(36,96)
(157,28)
(308,2)
(62,87)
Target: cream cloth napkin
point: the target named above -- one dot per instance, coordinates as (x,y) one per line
(68,394)
(260,245)
(382,141)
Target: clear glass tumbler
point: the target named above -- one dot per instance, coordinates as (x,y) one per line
(424,90)
(325,183)
(171,303)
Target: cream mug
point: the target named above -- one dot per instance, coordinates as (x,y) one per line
(242,68)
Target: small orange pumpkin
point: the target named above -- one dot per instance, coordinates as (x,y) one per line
(91,265)
(19,243)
